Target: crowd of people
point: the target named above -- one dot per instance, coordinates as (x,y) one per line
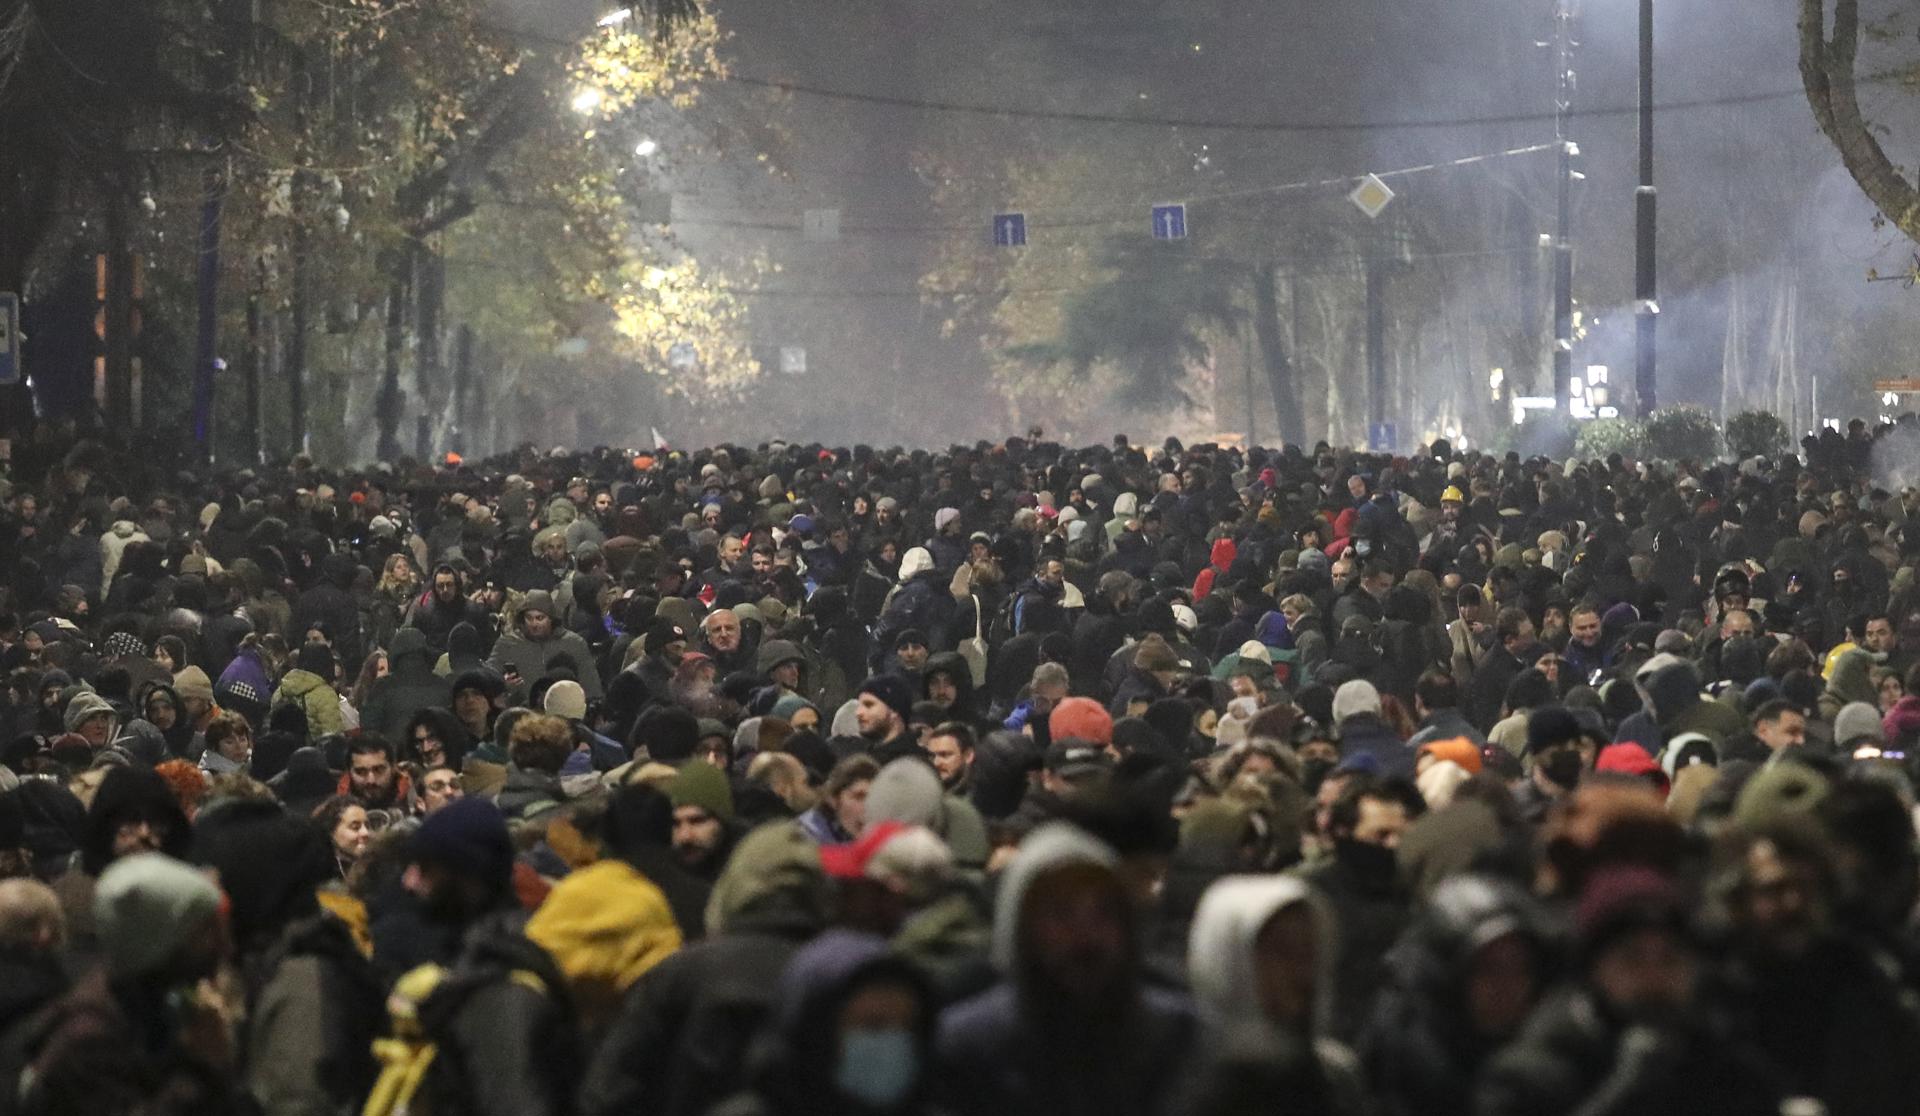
(1014,778)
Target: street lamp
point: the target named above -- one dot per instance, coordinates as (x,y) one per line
(587,101)
(1646,312)
(645,148)
(615,18)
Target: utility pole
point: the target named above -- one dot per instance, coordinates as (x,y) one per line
(1563,45)
(1376,278)
(1646,308)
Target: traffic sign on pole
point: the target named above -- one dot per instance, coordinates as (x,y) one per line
(1382,437)
(1010,230)
(9,338)
(1170,222)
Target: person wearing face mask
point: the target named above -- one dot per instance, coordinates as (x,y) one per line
(1361,884)
(1558,751)
(1260,958)
(1458,988)
(852,1033)
(1072,1027)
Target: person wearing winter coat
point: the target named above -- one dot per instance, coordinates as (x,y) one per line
(1629,1036)
(1071,1028)
(682,1037)
(1261,955)
(410,686)
(313,1003)
(310,685)
(535,641)
(501,1014)
(134,1035)
(1428,1038)
(852,1031)
(331,602)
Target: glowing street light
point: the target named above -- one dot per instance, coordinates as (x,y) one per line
(645,148)
(615,18)
(587,101)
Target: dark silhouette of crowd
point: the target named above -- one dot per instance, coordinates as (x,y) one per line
(1006,779)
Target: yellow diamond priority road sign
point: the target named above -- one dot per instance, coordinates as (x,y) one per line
(1372,195)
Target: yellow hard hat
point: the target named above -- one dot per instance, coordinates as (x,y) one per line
(1452,495)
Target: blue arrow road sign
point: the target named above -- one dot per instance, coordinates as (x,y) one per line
(9,338)
(1382,437)
(1010,230)
(1169,222)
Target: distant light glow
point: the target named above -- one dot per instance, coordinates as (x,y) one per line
(587,100)
(645,148)
(616,17)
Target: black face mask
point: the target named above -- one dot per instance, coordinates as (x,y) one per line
(1372,864)
(1563,768)
(1313,772)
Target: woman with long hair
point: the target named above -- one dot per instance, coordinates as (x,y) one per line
(343,822)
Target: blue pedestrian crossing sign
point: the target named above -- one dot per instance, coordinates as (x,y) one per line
(1010,230)
(1170,222)
(1382,437)
(9,338)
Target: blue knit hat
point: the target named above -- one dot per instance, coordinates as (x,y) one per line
(468,835)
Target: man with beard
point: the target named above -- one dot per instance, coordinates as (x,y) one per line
(499,1015)
(703,831)
(522,655)
(373,779)
(885,705)
(446,606)
(1558,750)
(950,747)
(1361,883)
(1826,1012)
(1071,1027)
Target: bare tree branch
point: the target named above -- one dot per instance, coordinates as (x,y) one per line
(1827,72)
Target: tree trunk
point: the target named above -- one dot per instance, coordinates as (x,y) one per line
(1273,351)
(392,399)
(118,310)
(1827,72)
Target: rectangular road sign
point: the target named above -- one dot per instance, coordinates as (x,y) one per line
(1911,384)
(1170,222)
(1010,230)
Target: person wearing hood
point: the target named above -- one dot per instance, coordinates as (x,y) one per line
(444,608)
(313,1003)
(1219,561)
(684,1032)
(1673,691)
(1070,1027)
(162,708)
(89,715)
(1628,1035)
(1823,1008)
(1261,955)
(522,655)
(131,1037)
(409,686)
(1851,681)
(948,683)
(134,811)
(784,667)
(310,685)
(851,1032)
(1459,987)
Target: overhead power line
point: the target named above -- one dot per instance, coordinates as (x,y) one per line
(1009,112)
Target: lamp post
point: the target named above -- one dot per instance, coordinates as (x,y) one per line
(1563,235)
(1646,308)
